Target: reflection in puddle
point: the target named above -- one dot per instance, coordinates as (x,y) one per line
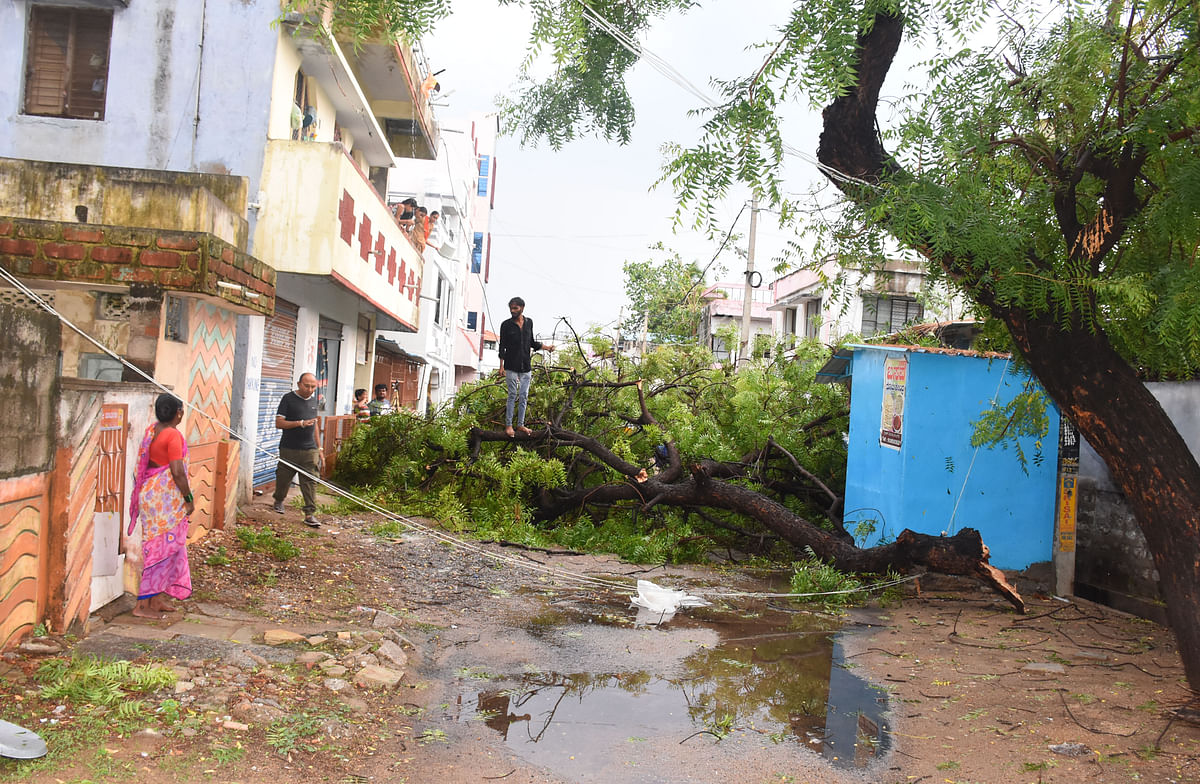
(789,686)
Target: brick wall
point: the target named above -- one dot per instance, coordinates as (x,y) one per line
(185,261)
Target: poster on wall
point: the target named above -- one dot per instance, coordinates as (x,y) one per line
(895,382)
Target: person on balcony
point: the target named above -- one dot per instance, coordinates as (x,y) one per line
(162,500)
(298,446)
(406,214)
(420,229)
(516,340)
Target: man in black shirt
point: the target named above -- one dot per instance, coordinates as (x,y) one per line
(516,340)
(297,418)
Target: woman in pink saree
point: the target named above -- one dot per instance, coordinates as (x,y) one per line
(162,499)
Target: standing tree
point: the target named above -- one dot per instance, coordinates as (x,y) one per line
(664,298)
(1053,176)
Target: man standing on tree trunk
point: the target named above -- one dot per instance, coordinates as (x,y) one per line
(516,342)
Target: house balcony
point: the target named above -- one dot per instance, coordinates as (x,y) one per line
(320,216)
(376,88)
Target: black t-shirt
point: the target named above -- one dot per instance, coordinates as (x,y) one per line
(294,408)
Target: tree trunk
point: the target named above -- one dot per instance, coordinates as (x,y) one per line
(1144,451)
(1079,369)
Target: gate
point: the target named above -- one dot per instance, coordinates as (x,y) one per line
(109,510)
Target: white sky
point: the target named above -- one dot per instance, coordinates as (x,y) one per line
(566,221)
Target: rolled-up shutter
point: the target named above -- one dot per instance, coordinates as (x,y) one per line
(279,354)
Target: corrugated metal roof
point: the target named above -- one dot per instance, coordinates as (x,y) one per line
(933,350)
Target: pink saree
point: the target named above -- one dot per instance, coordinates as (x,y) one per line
(159,504)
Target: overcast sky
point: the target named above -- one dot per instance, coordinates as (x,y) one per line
(566,221)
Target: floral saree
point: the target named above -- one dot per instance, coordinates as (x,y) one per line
(160,505)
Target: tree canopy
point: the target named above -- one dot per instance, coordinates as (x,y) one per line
(664,298)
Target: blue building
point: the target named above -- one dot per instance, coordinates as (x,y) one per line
(911,463)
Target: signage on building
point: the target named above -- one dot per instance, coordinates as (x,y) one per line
(895,384)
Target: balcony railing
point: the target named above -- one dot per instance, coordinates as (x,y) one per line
(321,216)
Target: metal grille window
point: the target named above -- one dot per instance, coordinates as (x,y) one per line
(176,328)
(882,315)
(67,62)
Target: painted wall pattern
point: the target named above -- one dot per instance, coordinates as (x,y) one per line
(22,526)
(210,390)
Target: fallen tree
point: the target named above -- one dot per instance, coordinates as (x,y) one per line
(752,460)
(700,487)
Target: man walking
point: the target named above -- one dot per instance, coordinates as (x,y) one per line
(297,418)
(516,341)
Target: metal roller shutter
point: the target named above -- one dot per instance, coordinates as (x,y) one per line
(279,354)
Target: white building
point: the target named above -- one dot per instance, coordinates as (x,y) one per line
(831,302)
(724,306)
(459,186)
(310,124)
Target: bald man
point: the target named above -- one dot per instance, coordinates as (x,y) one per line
(297,418)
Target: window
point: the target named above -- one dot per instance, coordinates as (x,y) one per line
(882,315)
(484,165)
(176,329)
(66,65)
(720,351)
(472,320)
(477,254)
(439,306)
(812,318)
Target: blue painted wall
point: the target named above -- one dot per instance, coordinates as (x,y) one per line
(917,486)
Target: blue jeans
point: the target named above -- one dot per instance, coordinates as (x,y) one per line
(518,391)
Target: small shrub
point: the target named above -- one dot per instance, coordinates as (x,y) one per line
(266,541)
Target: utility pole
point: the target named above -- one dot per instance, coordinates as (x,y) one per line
(748,290)
(645,332)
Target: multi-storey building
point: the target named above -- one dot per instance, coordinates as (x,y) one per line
(459,187)
(198,187)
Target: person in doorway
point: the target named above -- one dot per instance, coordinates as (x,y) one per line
(516,342)
(298,450)
(361,408)
(162,500)
(380,405)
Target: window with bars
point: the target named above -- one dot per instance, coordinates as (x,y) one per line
(882,315)
(175,328)
(66,71)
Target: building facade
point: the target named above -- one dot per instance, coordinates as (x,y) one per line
(198,187)
(833,300)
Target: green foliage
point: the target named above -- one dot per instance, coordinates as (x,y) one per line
(218,558)
(87,680)
(423,467)
(1019,423)
(359,21)
(664,298)
(266,541)
(834,588)
(294,732)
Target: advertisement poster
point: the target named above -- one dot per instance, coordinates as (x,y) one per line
(895,382)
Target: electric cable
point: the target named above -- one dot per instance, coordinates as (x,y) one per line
(611,585)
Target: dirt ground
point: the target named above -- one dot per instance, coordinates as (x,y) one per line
(1069,692)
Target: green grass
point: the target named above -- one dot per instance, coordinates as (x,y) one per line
(219,558)
(294,733)
(103,698)
(266,541)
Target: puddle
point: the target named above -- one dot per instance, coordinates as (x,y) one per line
(776,679)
